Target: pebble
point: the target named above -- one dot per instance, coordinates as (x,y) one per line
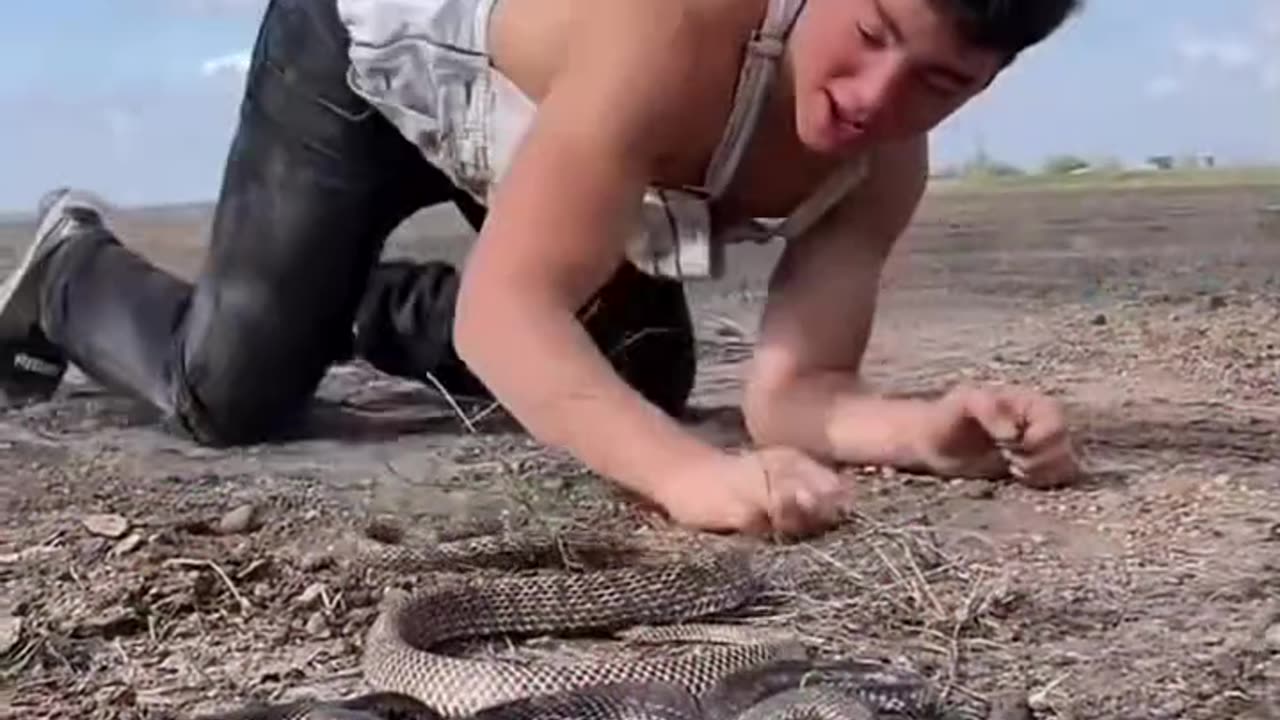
(316,625)
(127,545)
(106,525)
(1099,319)
(980,489)
(10,633)
(315,561)
(1272,638)
(242,519)
(384,530)
(1011,706)
(312,595)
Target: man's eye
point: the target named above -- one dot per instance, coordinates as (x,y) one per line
(872,37)
(941,88)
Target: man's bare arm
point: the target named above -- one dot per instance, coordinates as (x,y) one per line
(555,234)
(804,389)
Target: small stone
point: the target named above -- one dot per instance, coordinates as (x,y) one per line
(242,519)
(313,561)
(553,484)
(1221,480)
(127,545)
(312,595)
(110,623)
(1272,638)
(1099,319)
(10,633)
(384,530)
(1215,302)
(1012,706)
(316,625)
(106,525)
(980,490)
(1039,700)
(173,663)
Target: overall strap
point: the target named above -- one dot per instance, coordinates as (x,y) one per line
(824,198)
(754,80)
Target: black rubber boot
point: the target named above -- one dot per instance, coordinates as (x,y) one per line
(31,366)
(642,325)
(116,316)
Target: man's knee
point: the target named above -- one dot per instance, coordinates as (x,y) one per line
(662,368)
(230,413)
(247,371)
(643,327)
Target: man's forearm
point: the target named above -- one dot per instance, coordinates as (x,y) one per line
(544,368)
(835,417)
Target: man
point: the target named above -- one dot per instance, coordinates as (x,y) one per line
(607,152)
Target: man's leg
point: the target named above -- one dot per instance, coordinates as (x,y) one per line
(640,323)
(315,181)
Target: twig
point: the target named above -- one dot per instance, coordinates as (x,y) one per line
(192,562)
(893,570)
(457,409)
(924,582)
(860,580)
(635,337)
(487,411)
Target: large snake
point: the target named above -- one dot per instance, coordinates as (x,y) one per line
(753,680)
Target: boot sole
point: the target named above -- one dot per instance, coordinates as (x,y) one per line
(19,308)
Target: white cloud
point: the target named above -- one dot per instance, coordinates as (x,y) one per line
(210,7)
(1230,53)
(1270,77)
(1270,19)
(1162,86)
(236,63)
(1252,53)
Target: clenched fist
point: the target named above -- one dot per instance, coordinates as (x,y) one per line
(987,431)
(773,490)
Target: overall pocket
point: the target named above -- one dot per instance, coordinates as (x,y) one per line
(421,66)
(297,78)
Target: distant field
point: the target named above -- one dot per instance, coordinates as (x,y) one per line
(1126,179)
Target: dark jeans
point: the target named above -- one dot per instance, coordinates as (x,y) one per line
(314,183)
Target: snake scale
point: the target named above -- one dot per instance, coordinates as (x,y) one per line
(413,679)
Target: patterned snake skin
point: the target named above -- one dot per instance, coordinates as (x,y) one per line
(764,680)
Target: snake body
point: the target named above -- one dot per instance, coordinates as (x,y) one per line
(398,656)
(766,680)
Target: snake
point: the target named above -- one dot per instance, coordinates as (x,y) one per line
(412,678)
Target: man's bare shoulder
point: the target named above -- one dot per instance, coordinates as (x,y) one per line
(659,28)
(672,64)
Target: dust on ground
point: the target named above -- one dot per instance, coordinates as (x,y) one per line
(143,576)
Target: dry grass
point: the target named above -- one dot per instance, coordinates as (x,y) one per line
(1147,593)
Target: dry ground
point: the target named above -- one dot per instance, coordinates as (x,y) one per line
(1150,591)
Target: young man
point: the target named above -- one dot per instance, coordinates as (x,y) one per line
(607,152)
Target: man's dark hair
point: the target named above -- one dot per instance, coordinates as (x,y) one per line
(1008,26)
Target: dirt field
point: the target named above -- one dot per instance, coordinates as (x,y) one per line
(1150,591)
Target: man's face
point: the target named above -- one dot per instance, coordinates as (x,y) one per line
(866,71)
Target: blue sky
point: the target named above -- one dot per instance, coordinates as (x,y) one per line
(136,99)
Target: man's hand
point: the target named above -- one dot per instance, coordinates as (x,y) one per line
(992,430)
(773,490)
